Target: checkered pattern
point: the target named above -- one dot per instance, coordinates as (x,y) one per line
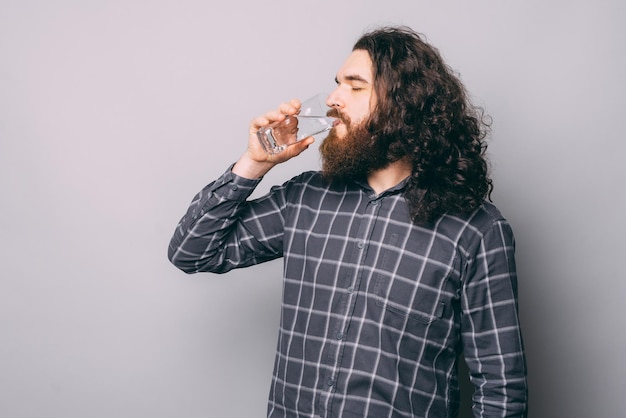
(375,308)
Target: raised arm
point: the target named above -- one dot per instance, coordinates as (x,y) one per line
(221,229)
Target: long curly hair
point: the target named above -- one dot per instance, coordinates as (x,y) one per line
(423,113)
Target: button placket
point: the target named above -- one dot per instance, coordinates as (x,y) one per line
(367,223)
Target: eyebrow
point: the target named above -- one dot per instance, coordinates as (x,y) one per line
(353,77)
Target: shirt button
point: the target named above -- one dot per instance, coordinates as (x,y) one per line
(350,290)
(234,187)
(340,336)
(330,382)
(360,245)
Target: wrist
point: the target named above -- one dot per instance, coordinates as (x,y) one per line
(251,169)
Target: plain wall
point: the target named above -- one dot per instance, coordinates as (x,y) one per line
(113,114)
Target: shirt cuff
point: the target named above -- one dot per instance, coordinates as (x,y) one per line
(233,187)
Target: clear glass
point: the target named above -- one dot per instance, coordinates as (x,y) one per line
(312,120)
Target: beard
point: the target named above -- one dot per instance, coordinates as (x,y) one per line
(353,156)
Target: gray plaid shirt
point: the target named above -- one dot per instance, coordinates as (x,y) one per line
(375,308)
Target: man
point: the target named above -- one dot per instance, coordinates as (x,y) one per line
(394,263)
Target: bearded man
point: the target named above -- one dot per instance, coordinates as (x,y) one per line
(395,261)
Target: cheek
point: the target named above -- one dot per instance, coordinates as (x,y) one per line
(362,113)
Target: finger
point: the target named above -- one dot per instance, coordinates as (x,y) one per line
(275,116)
(258,123)
(300,146)
(265,120)
(290,108)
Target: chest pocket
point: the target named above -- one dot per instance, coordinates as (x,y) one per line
(411,284)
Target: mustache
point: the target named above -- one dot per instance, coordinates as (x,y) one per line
(334,113)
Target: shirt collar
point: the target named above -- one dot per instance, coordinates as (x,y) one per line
(398,188)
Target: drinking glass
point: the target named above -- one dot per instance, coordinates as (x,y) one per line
(311,120)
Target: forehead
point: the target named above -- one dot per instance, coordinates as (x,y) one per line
(358,64)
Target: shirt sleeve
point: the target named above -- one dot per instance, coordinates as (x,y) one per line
(492,339)
(221,230)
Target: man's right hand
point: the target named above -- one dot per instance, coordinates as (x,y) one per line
(255,162)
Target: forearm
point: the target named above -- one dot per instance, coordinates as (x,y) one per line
(212,236)
(209,232)
(492,338)
(499,380)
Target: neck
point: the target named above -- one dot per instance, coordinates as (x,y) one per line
(385,178)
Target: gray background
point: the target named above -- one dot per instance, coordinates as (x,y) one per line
(113,114)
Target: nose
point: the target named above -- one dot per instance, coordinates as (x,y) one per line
(333,100)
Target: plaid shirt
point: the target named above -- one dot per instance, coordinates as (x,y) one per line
(375,308)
